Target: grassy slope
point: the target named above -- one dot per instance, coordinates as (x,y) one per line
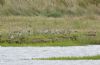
(32,21)
(97,57)
(49,25)
(54,8)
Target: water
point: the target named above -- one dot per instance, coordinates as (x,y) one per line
(24,55)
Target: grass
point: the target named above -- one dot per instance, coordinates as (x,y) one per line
(44,44)
(49,22)
(97,57)
(40,44)
(49,31)
(50,44)
(48,25)
(52,8)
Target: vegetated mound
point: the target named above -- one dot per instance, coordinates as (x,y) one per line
(50,8)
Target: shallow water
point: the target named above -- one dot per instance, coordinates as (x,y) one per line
(24,55)
(68,62)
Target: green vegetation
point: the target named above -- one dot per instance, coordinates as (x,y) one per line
(44,31)
(97,57)
(63,43)
(49,22)
(49,8)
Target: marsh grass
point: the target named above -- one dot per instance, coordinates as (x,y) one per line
(97,57)
(55,41)
(62,44)
(49,8)
(49,22)
(48,31)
